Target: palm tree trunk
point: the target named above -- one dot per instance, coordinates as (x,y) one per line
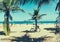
(35,24)
(7,23)
(6,27)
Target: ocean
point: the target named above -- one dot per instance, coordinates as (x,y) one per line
(30,22)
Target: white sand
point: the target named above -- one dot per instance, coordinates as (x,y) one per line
(17,28)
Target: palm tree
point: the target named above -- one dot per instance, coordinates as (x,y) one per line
(36,15)
(58,8)
(7,6)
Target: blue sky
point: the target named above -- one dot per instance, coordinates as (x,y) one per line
(29,8)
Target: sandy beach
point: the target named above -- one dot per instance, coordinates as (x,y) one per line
(23,30)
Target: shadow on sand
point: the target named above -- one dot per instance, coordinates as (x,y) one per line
(53,30)
(26,38)
(27,31)
(2,33)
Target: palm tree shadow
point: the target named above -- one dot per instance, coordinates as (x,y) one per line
(28,31)
(53,30)
(2,33)
(26,38)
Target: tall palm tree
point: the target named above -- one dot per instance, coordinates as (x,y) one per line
(36,15)
(7,6)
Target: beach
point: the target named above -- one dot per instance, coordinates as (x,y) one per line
(21,30)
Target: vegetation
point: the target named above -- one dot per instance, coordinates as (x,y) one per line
(12,5)
(36,15)
(58,18)
(7,6)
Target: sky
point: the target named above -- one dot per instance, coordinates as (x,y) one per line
(48,9)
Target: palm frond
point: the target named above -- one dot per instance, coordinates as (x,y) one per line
(23,2)
(43,1)
(2,8)
(30,14)
(17,9)
(10,17)
(35,1)
(58,5)
(26,1)
(42,15)
(40,2)
(38,16)
(36,12)
(14,2)
(7,2)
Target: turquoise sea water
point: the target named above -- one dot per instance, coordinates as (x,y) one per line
(30,22)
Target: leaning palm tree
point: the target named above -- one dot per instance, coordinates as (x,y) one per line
(7,6)
(58,18)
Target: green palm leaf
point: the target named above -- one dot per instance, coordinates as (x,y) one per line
(11,5)
(41,15)
(40,2)
(23,2)
(30,14)
(17,9)
(38,16)
(7,2)
(36,12)
(10,17)
(58,5)
(2,9)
